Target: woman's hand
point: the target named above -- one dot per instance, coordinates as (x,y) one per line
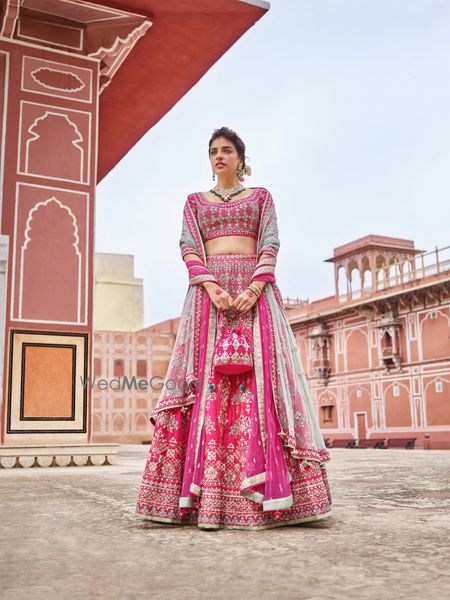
(219,297)
(245,300)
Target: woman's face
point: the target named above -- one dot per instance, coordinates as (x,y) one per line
(224,157)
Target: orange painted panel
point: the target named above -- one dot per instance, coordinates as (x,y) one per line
(48,378)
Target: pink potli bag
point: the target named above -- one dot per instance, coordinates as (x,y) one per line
(232,355)
(233,352)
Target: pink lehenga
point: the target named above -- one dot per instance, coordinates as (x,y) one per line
(236,451)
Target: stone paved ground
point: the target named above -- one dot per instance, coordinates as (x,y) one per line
(69,533)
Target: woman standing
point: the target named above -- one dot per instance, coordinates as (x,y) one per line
(236,443)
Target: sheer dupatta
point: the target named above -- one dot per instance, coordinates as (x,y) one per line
(186,378)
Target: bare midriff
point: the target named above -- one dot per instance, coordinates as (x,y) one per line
(231,244)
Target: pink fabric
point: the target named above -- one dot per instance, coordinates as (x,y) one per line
(219,461)
(293,401)
(158,497)
(190,452)
(267,277)
(272,468)
(277,483)
(233,351)
(237,217)
(265,269)
(223,453)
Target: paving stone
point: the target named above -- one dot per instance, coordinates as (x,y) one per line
(70,532)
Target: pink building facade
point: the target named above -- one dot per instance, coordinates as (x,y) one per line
(377,353)
(128,372)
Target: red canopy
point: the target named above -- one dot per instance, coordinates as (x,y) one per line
(186,38)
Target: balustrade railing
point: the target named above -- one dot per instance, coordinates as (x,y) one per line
(415,268)
(294,301)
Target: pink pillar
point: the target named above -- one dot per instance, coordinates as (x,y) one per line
(48,127)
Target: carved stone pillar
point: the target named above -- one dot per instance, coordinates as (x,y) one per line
(49,97)
(320,350)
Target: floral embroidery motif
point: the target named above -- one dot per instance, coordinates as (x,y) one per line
(209,424)
(169,420)
(230,443)
(240,217)
(299,417)
(240,426)
(222,420)
(221,503)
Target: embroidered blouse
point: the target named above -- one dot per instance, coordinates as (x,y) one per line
(237,217)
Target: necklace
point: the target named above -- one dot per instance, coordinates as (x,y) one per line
(226,194)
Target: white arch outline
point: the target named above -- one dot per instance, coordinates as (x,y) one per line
(36,136)
(27,239)
(425,403)
(412,412)
(424,316)
(347,333)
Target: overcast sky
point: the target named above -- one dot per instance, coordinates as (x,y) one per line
(344,106)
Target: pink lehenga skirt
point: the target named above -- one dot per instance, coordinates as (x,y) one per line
(213,466)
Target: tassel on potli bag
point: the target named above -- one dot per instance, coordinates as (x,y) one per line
(233,352)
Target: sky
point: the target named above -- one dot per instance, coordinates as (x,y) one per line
(344,107)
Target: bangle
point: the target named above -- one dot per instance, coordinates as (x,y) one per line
(255,289)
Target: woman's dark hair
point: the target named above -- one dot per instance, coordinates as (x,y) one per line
(232,137)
